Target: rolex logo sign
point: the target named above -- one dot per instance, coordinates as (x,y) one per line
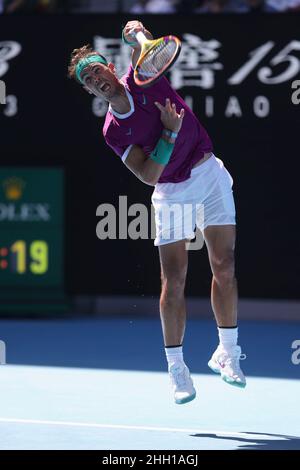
(18,201)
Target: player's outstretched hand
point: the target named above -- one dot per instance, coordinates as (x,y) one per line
(169,117)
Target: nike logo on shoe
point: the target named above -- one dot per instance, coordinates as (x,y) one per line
(227,363)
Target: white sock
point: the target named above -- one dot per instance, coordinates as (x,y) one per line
(228,337)
(174,355)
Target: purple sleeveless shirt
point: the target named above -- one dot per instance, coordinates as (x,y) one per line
(142,126)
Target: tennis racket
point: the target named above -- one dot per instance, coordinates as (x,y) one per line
(156,57)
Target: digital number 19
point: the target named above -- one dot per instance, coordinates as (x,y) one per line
(38,254)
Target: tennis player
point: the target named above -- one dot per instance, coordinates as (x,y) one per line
(162,142)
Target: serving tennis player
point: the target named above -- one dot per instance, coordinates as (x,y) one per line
(162,142)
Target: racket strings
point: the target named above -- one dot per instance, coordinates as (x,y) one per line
(157,59)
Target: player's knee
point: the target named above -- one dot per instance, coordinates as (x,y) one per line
(173,285)
(223,267)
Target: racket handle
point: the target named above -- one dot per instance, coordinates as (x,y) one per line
(141,38)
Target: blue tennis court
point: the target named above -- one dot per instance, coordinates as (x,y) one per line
(102,384)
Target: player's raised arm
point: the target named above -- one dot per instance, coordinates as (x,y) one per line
(128,36)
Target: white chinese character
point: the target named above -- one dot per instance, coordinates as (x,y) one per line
(196,64)
(8,50)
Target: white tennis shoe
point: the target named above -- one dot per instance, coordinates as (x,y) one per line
(227,363)
(182,383)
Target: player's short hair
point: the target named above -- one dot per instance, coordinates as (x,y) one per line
(78,54)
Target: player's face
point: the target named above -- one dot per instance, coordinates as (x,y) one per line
(100,80)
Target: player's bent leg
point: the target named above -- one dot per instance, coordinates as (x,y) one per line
(220,242)
(174,263)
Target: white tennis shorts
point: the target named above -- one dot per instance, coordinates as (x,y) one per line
(204,199)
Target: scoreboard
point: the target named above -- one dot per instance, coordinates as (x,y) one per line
(31,238)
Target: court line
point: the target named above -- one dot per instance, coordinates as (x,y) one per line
(129,427)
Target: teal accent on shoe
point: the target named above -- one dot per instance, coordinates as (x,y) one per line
(233,382)
(185,400)
(216,371)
